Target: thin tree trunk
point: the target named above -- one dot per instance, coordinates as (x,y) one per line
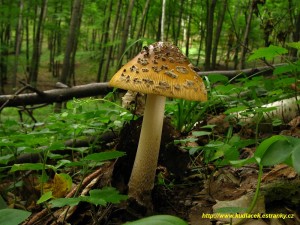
(202,35)
(125,32)
(18,44)
(176,38)
(142,25)
(217,34)
(209,32)
(246,37)
(111,48)
(187,46)
(105,40)
(162,25)
(35,60)
(71,40)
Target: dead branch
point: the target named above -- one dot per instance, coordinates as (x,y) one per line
(246,72)
(55,95)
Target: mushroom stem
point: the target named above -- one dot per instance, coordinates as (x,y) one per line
(143,173)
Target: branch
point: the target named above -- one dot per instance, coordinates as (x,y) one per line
(247,72)
(56,95)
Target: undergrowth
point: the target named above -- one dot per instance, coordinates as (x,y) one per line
(46,132)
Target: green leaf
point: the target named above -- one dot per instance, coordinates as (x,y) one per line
(6,158)
(267,52)
(45,197)
(30,166)
(231,210)
(3,204)
(158,220)
(242,162)
(200,133)
(109,194)
(283,69)
(295,45)
(104,156)
(27,166)
(60,202)
(263,147)
(296,159)
(93,200)
(276,153)
(236,109)
(214,78)
(13,216)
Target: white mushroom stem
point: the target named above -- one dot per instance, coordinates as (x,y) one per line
(143,173)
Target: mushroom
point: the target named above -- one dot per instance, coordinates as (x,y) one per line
(159,70)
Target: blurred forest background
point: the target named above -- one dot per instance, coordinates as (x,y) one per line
(82,41)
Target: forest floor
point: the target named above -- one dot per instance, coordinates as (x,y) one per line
(185,187)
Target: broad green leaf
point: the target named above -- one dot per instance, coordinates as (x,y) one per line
(45,197)
(296,159)
(236,109)
(231,210)
(268,52)
(13,216)
(263,146)
(276,153)
(60,202)
(214,78)
(6,158)
(29,166)
(295,45)
(104,156)
(200,133)
(109,194)
(242,162)
(3,204)
(283,69)
(93,200)
(158,220)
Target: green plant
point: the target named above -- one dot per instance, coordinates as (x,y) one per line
(272,151)
(13,216)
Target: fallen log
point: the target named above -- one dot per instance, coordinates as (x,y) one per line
(55,95)
(94,89)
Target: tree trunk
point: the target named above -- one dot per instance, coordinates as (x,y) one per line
(125,32)
(35,60)
(111,48)
(177,34)
(187,43)
(104,41)
(142,25)
(71,40)
(246,37)
(295,21)
(18,43)
(218,33)
(162,25)
(209,32)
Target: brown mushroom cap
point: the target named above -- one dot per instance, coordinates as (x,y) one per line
(161,69)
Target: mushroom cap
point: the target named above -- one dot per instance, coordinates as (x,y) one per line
(161,69)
